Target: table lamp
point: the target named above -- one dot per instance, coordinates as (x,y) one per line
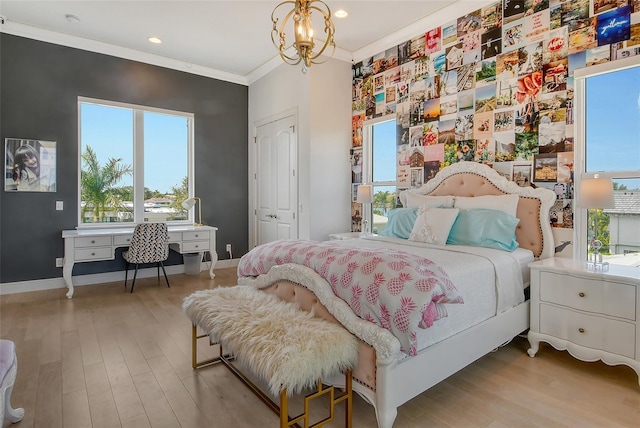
(187,204)
(595,193)
(365,196)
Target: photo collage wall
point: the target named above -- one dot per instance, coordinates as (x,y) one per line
(493,86)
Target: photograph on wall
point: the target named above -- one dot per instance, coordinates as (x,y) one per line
(545,167)
(614,26)
(356,165)
(356,217)
(522,173)
(30,165)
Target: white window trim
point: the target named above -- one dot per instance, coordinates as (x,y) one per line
(367,162)
(138,160)
(580,214)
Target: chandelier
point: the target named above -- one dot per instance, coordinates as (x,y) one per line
(304,35)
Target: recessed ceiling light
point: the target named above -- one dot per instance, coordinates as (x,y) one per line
(341,13)
(72,18)
(155,40)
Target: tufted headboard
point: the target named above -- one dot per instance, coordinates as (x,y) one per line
(475,179)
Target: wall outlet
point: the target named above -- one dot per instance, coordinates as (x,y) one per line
(59,205)
(59,261)
(228,248)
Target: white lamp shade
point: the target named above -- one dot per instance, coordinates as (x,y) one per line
(595,193)
(365,194)
(187,204)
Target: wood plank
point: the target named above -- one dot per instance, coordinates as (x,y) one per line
(109,358)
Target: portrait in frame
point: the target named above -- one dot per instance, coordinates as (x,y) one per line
(30,165)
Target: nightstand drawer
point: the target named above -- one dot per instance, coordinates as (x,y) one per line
(592,295)
(617,337)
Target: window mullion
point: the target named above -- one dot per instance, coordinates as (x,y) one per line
(138,161)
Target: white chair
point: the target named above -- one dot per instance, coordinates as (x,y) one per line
(150,244)
(8,373)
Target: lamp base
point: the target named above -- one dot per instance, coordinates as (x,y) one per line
(597,266)
(594,260)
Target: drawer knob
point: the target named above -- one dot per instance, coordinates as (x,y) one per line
(93,241)
(93,254)
(581,294)
(581,330)
(197,235)
(197,246)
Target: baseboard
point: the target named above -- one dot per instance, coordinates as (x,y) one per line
(100,278)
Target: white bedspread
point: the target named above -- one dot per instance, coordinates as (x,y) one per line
(490,281)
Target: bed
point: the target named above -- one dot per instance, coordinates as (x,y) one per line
(485,308)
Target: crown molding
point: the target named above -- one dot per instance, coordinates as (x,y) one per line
(436,19)
(62,39)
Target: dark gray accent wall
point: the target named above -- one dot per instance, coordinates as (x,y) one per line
(39,88)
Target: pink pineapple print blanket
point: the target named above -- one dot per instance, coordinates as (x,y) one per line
(398,291)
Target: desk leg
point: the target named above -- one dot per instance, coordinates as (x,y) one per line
(67,269)
(214,260)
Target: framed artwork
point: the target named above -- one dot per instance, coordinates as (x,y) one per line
(521,174)
(30,165)
(545,167)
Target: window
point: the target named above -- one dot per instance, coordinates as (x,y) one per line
(380,157)
(608,130)
(134,163)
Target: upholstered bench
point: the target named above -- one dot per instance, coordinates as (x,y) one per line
(8,372)
(288,348)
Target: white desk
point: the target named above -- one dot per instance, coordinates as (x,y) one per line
(90,245)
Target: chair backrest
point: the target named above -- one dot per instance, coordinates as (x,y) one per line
(150,243)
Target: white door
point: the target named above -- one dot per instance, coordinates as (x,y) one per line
(276,181)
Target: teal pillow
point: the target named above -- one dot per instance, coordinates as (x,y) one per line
(485,228)
(400,222)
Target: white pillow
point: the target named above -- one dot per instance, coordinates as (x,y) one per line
(415,200)
(433,225)
(505,203)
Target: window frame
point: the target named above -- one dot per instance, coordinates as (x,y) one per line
(138,161)
(580,76)
(367,163)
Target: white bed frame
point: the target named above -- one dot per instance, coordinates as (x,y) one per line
(400,378)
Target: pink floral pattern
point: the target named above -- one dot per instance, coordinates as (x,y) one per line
(396,290)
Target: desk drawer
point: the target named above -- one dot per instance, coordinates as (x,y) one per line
(196,236)
(175,236)
(122,240)
(592,331)
(195,246)
(88,254)
(92,241)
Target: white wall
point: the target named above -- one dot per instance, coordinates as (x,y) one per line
(329,150)
(322,99)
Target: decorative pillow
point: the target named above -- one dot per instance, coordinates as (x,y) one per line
(414,200)
(506,203)
(400,222)
(433,225)
(485,228)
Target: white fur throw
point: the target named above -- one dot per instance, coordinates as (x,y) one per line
(284,345)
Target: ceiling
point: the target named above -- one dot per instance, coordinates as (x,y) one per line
(232,37)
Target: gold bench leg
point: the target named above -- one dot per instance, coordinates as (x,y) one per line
(194,349)
(283,409)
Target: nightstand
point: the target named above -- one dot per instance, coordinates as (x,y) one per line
(345,235)
(591,314)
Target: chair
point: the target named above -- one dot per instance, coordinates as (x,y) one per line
(8,373)
(150,244)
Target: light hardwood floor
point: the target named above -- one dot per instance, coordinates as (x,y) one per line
(108,358)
